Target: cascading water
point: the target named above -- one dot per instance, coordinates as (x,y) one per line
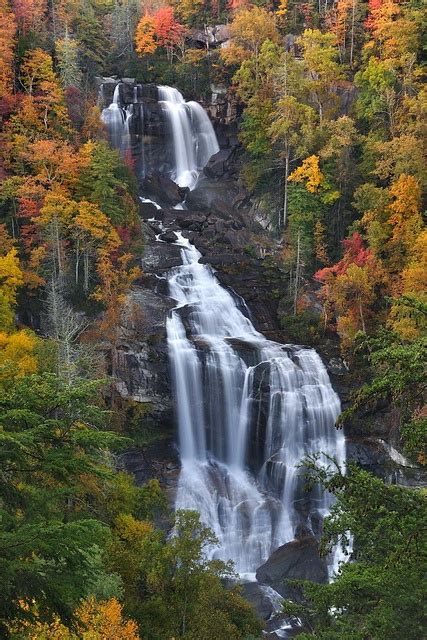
(249,410)
(117,120)
(193,140)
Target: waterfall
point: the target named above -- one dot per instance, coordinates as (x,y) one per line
(192,137)
(117,119)
(249,410)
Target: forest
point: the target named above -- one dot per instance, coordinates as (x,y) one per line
(326,105)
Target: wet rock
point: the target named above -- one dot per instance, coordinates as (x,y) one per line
(296,560)
(168,236)
(220,163)
(148,210)
(162,188)
(218,197)
(160,257)
(256,596)
(337,367)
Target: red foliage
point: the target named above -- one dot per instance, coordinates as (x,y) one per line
(373,6)
(168,31)
(124,235)
(28,208)
(354,253)
(30,15)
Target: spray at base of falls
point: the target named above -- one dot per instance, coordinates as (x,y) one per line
(225,373)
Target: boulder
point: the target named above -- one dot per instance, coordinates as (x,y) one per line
(148,211)
(220,163)
(162,188)
(221,198)
(296,560)
(168,236)
(256,596)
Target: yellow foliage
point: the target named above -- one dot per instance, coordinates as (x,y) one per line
(57,208)
(249,29)
(17,355)
(102,620)
(405,215)
(402,319)
(11,276)
(282,9)
(310,173)
(94,621)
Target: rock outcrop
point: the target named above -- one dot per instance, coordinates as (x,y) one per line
(296,560)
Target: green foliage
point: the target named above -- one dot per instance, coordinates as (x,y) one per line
(389,525)
(305,328)
(172,589)
(104,182)
(53,454)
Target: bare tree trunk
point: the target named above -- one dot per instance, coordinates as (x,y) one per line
(353,13)
(285,195)
(86,270)
(362,319)
(297,272)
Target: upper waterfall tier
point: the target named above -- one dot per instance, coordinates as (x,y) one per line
(164,134)
(191,134)
(249,411)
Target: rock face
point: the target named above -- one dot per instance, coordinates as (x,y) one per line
(296,560)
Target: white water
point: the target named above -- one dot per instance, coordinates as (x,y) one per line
(192,136)
(117,120)
(249,410)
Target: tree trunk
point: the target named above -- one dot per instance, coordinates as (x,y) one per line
(285,195)
(297,272)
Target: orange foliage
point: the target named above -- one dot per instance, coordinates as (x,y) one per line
(145,43)
(7,44)
(101,620)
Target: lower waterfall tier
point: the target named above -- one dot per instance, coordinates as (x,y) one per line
(249,411)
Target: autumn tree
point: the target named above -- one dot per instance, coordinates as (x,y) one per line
(93,620)
(145,42)
(351,286)
(249,29)
(7,44)
(68,61)
(291,126)
(323,71)
(168,32)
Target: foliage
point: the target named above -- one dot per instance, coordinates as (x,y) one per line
(171,588)
(388,524)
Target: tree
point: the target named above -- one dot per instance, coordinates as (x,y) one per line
(145,43)
(377,101)
(52,443)
(68,61)
(249,29)
(7,44)
(291,126)
(388,525)
(323,71)
(405,317)
(30,16)
(93,620)
(169,33)
(183,593)
(351,287)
